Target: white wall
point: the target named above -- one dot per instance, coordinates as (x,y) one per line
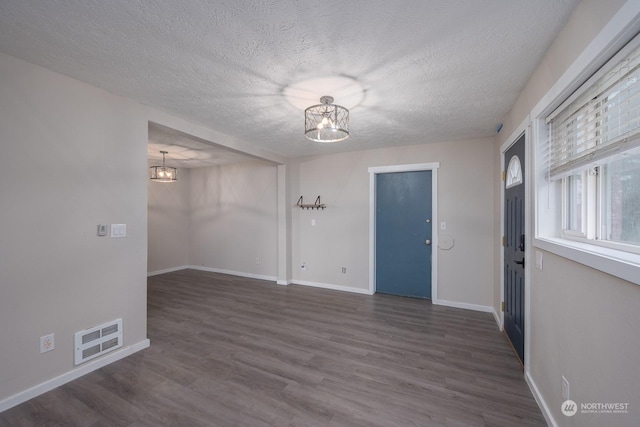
(584,323)
(585,327)
(168,223)
(72,157)
(340,237)
(234,218)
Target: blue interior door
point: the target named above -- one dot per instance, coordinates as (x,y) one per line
(514,246)
(403,233)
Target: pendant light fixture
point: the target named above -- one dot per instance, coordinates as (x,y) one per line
(326,122)
(163,173)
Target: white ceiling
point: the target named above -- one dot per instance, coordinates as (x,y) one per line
(427,70)
(186,151)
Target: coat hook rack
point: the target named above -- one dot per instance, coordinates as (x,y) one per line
(316,205)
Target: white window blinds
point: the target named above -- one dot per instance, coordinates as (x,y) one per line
(600,120)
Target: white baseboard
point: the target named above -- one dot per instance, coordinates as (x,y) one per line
(497,317)
(332,287)
(84,369)
(167,270)
(233,273)
(542,404)
(283,282)
(466,306)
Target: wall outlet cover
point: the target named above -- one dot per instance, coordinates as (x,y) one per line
(565,389)
(539,260)
(47,343)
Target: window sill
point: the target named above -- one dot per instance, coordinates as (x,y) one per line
(623,265)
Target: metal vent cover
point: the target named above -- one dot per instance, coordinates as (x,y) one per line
(111,343)
(88,352)
(96,341)
(90,337)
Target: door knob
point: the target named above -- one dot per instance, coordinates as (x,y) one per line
(520,262)
(428,221)
(427,242)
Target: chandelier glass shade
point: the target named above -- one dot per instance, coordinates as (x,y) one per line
(163,173)
(326,122)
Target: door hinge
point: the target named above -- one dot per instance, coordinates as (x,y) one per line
(504,175)
(504,240)
(502,305)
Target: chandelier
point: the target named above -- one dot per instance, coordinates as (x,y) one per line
(326,122)
(163,173)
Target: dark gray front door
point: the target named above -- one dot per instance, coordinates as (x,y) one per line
(514,248)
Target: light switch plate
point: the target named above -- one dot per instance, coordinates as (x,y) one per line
(102,229)
(118,230)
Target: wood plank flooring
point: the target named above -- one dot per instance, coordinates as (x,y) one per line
(231,351)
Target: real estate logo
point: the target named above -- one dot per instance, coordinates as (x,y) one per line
(569,408)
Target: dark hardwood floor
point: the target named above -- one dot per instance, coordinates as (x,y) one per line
(231,351)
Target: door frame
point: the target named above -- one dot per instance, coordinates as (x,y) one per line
(416,167)
(524,128)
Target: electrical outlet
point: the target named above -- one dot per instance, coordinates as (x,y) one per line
(539,260)
(344,270)
(47,343)
(565,389)
(257,261)
(303,266)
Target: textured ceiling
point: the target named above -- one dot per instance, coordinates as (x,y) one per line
(186,151)
(431,70)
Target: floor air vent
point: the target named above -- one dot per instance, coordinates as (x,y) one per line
(98,340)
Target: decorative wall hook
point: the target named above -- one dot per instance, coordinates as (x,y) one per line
(316,205)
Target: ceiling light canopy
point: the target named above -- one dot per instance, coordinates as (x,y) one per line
(163,173)
(326,122)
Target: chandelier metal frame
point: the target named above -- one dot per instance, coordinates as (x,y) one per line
(326,122)
(163,173)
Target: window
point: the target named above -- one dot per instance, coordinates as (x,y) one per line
(586,160)
(514,172)
(592,157)
(620,183)
(573,212)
